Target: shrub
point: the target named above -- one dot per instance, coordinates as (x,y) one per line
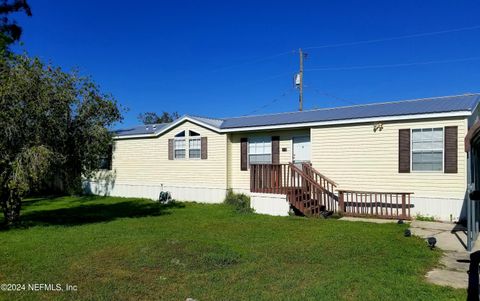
(239,201)
(424,218)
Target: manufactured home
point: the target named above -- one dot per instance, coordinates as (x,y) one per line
(393,159)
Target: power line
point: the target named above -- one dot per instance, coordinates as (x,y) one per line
(418,35)
(327,94)
(394,65)
(270,102)
(266,58)
(266,79)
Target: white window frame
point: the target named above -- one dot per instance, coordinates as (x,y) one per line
(199,138)
(259,138)
(175,148)
(443,150)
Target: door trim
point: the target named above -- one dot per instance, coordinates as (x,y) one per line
(310,145)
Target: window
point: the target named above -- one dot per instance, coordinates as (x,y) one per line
(194,148)
(187,144)
(427,149)
(106,160)
(179,148)
(260,150)
(192,133)
(179,145)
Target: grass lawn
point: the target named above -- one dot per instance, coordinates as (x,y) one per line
(131,249)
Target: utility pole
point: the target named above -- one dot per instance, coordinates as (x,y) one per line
(300,75)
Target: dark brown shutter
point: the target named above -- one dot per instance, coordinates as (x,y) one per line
(404,151)
(243,153)
(451,149)
(170,149)
(204,148)
(275,150)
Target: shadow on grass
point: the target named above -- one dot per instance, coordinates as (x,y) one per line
(78,211)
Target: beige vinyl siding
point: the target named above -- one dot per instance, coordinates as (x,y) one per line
(358,158)
(145,161)
(240,180)
(354,156)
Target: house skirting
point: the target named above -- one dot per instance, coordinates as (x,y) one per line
(180,193)
(444,209)
(271,204)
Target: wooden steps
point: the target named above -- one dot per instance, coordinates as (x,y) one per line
(314,194)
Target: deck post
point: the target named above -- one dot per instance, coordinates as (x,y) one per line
(341,204)
(252,179)
(404,213)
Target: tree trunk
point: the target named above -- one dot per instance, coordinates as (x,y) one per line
(11,204)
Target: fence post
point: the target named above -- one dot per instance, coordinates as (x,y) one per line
(341,204)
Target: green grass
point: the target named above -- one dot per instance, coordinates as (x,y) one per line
(133,249)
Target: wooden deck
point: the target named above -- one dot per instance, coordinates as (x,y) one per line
(312,193)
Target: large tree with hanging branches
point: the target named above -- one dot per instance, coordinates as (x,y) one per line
(52,124)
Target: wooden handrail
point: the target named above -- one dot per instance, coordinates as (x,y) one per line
(363,191)
(305,176)
(313,195)
(269,178)
(319,174)
(302,191)
(390,205)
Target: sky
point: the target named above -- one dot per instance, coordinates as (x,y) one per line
(234,58)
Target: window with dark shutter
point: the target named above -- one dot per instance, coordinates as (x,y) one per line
(404,151)
(243,154)
(260,150)
(275,150)
(427,149)
(204,148)
(195,148)
(451,149)
(194,145)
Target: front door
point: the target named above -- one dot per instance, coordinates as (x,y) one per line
(301,149)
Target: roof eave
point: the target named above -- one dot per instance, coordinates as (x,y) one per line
(167,128)
(301,124)
(350,121)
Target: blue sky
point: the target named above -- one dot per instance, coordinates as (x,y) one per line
(231,58)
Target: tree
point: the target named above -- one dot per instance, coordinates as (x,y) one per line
(152,117)
(52,123)
(10,32)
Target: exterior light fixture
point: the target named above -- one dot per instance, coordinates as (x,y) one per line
(377,126)
(400,222)
(431,242)
(408,233)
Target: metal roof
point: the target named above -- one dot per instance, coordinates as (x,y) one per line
(141,129)
(215,122)
(398,108)
(446,104)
